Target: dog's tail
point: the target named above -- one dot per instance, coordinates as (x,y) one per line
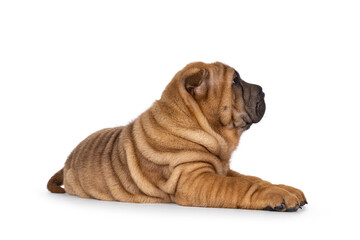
(56,181)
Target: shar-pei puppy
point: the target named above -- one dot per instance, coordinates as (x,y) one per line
(178,151)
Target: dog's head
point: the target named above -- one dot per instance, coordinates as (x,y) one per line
(215,93)
(224,98)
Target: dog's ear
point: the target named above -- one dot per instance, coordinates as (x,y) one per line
(195,81)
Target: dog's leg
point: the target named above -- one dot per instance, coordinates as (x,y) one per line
(299,194)
(203,187)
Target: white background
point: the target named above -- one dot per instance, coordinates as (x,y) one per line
(69,68)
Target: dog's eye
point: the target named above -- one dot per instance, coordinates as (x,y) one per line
(236,80)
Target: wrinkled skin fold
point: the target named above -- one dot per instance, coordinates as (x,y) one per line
(179,149)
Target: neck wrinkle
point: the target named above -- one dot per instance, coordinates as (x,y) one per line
(195,109)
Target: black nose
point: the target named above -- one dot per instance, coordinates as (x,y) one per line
(259,91)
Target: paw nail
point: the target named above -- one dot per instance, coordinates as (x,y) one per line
(278,208)
(293,209)
(268,208)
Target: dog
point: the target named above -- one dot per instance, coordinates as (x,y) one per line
(178,151)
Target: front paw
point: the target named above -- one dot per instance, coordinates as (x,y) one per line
(299,194)
(279,198)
